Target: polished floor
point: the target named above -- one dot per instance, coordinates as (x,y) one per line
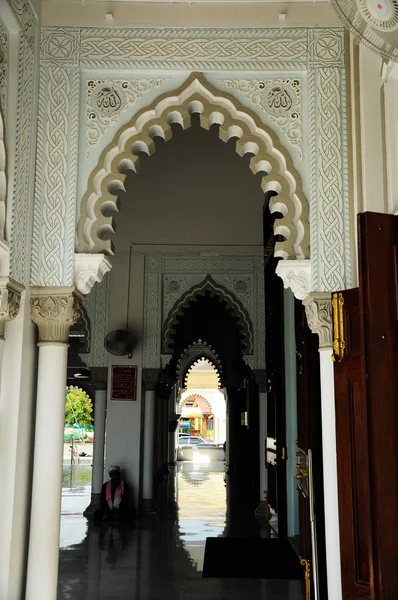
(160,558)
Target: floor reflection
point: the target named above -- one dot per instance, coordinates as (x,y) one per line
(159,558)
(201,499)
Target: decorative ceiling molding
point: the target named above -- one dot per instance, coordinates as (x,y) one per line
(233,305)
(196,95)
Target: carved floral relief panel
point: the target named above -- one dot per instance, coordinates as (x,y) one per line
(107,99)
(279,99)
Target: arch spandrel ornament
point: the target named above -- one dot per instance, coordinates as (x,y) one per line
(196,95)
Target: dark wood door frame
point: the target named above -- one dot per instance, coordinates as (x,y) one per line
(378,296)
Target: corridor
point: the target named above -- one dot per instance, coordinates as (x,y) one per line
(159,558)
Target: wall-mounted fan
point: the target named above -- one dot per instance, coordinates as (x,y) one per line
(120,342)
(373,22)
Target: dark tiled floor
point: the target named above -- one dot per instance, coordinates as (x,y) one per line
(161,558)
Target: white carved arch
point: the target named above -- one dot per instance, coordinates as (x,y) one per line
(196,95)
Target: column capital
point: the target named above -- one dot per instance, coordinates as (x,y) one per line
(318,309)
(54,310)
(10,300)
(150,378)
(89,269)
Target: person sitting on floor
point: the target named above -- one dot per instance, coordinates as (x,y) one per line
(114,496)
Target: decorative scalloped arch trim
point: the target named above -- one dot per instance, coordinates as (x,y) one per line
(196,360)
(195,352)
(194,395)
(196,95)
(208,285)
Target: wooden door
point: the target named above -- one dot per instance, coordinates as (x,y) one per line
(309,436)
(352,459)
(378,280)
(276,405)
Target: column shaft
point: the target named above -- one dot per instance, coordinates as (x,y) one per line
(99,441)
(42,574)
(149,430)
(332,529)
(262,437)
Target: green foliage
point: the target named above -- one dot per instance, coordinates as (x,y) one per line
(78,407)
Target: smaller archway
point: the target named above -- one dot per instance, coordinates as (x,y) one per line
(202,402)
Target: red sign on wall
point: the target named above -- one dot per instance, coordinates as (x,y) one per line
(124,383)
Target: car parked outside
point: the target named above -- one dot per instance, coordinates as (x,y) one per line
(190,440)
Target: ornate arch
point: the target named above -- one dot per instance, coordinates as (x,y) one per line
(196,360)
(196,95)
(208,286)
(192,354)
(195,395)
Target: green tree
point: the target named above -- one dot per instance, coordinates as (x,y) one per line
(78,407)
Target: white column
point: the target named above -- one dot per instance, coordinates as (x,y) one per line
(98,450)
(17,410)
(319,316)
(263,437)
(99,441)
(149,432)
(54,310)
(332,527)
(47,474)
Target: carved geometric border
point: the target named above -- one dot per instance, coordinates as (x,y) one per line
(24,146)
(234,49)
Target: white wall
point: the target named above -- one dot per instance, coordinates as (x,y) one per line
(123,443)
